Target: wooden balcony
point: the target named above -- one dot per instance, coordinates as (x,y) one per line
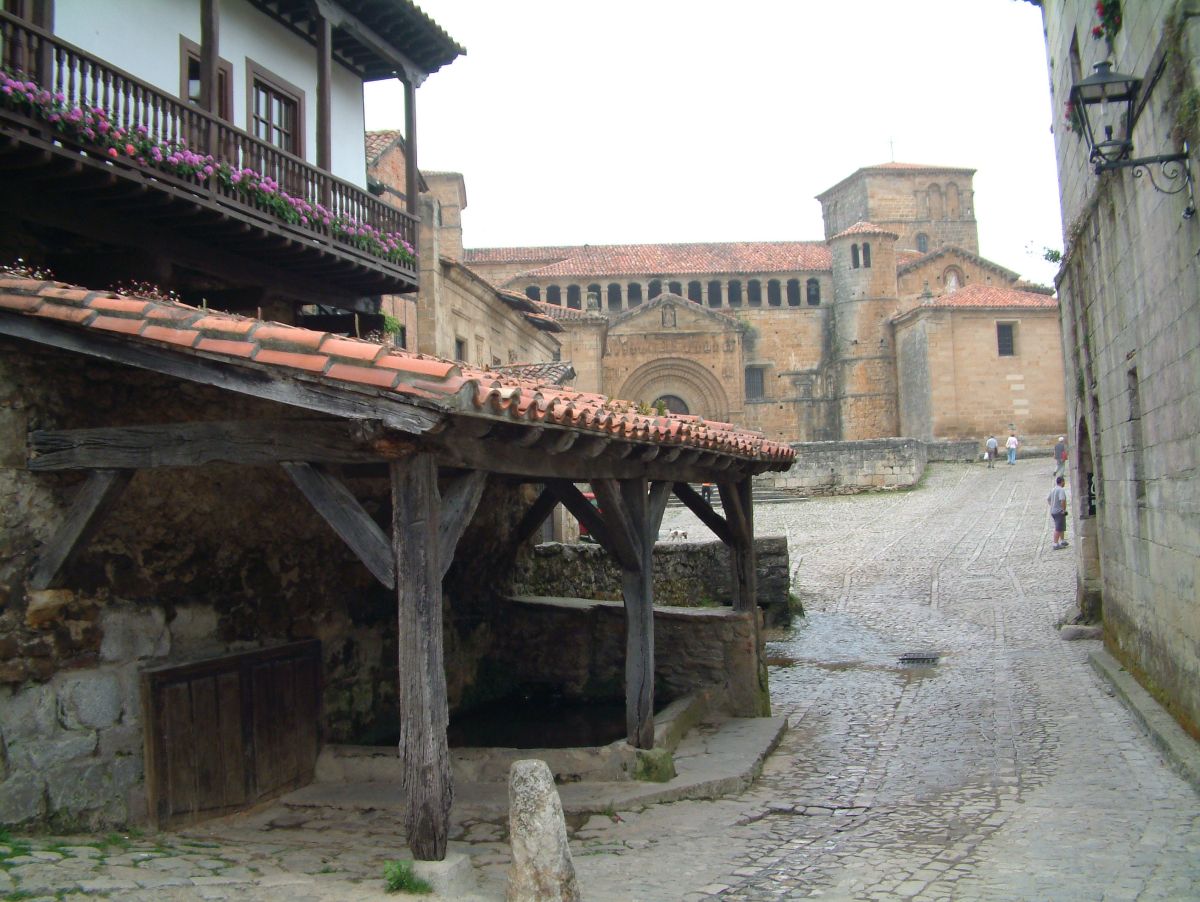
(175,185)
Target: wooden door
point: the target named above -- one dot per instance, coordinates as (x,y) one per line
(226,733)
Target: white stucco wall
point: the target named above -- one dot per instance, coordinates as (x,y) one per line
(142,37)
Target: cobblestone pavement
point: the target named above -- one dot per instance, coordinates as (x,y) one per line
(1004,771)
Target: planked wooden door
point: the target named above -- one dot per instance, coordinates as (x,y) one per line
(225,733)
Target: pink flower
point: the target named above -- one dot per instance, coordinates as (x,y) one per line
(130,150)
(112,152)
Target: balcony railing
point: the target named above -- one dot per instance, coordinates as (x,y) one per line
(347,217)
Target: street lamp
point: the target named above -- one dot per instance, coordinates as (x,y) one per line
(1104,102)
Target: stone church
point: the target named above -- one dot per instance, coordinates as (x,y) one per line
(891,325)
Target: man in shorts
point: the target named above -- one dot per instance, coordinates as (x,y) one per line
(1057,499)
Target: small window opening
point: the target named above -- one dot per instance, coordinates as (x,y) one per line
(793,292)
(813,287)
(754,383)
(1006,339)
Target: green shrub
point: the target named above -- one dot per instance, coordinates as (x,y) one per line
(400,878)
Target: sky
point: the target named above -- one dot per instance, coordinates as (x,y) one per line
(645,121)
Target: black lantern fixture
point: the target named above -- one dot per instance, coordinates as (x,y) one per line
(1104,103)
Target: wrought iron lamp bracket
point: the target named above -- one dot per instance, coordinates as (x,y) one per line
(1173,171)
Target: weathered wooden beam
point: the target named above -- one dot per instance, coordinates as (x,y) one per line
(193,444)
(426,780)
(531,521)
(737,499)
(637,587)
(248,379)
(624,539)
(94,500)
(458,506)
(342,18)
(704,511)
(660,494)
(341,510)
(583,511)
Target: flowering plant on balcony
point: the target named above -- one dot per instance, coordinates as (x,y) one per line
(1109,12)
(93,125)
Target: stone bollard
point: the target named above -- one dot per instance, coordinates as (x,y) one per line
(541,869)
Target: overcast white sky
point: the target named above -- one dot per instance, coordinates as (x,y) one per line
(630,121)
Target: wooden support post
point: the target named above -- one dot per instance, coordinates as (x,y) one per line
(81,522)
(411,176)
(739,514)
(324,100)
(532,520)
(638,590)
(210,59)
(425,775)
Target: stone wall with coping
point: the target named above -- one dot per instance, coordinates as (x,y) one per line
(686,574)
(694,649)
(844,467)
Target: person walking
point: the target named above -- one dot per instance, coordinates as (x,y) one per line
(1057,499)
(1060,457)
(992,449)
(1011,445)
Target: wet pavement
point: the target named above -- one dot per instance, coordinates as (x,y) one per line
(1005,770)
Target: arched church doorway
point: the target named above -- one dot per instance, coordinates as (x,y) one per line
(674,403)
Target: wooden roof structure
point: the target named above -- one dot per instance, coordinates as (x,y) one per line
(364,402)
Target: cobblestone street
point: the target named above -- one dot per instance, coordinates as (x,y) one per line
(1007,770)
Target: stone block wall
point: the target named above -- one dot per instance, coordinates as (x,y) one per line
(836,467)
(686,574)
(694,648)
(1130,293)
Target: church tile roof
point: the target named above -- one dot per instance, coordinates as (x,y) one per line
(865,228)
(992,296)
(378,142)
(747,257)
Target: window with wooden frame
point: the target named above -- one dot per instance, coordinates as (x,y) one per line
(275,110)
(1006,339)
(189,79)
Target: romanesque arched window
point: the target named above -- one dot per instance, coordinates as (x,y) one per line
(854,256)
(866,255)
(574,297)
(922,242)
(675,288)
(695,292)
(793,292)
(594,291)
(774,295)
(614,296)
(953,208)
(735,293)
(714,293)
(553,295)
(533,293)
(814,292)
(635,293)
(754,293)
(655,289)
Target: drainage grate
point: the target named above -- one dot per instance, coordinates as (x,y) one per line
(919,657)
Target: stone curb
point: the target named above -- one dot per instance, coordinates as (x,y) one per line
(1181,752)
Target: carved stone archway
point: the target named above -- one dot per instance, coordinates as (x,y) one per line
(686,379)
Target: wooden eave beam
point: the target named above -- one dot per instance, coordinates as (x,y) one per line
(93,501)
(342,511)
(193,444)
(247,378)
(339,17)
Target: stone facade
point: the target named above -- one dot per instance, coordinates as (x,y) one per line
(1130,289)
(796,339)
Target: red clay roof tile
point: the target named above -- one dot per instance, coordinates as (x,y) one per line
(351,364)
(992,296)
(661,259)
(313,363)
